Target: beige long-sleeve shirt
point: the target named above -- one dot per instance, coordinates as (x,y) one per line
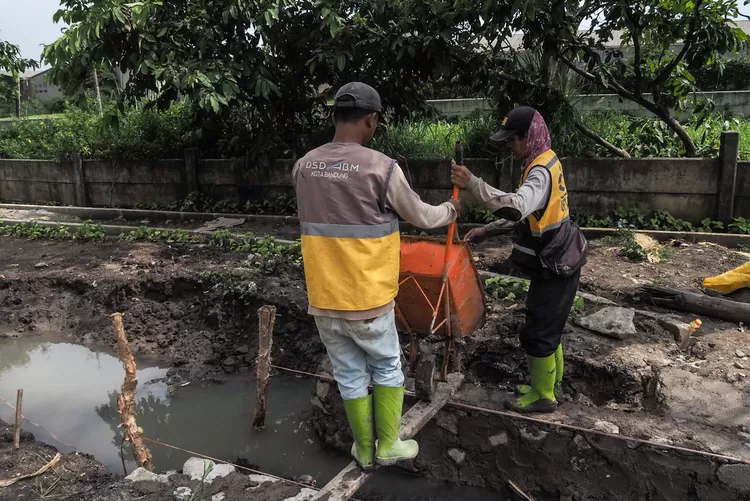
(530,197)
(405,202)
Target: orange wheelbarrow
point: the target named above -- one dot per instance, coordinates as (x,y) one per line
(440,292)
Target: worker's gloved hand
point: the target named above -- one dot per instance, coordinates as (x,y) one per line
(456,205)
(476,235)
(460,175)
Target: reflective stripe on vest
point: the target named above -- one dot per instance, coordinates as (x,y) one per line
(349,230)
(525,250)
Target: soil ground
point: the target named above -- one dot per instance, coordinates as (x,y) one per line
(196,307)
(78,477)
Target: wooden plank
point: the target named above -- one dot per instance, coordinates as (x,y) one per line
(350,479)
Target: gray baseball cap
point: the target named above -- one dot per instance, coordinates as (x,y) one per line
(357,95)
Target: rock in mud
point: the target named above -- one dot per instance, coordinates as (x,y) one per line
(499,439)
(229,364)
(736,477)
(457,455)
(242,350)
(143,475)
(183,494)
(680,330)
(205,470)
(607,427)
(614,322)
(447,421)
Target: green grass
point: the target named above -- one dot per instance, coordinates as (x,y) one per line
(33,117)
(437,138)
(649,137)
(144,134)
(641,137)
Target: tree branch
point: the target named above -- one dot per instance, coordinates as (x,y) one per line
(657,110)
(687,44)
(596,138)
(635,34)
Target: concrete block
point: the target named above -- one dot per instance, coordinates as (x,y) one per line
(205,470)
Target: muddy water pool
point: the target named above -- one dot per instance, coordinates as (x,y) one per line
(71,391)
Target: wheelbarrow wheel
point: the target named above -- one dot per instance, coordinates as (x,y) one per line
(424,378)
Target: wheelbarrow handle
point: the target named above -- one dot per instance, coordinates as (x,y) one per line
(452,228)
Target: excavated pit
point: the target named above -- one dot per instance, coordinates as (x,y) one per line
(196,309)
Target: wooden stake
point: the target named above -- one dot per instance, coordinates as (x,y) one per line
(266,320)
(17,431)
(126,400)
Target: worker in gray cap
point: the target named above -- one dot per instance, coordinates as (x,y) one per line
(349,199)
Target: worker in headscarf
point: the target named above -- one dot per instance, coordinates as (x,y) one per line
(549,248)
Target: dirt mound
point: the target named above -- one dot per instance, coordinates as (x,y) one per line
(196,308)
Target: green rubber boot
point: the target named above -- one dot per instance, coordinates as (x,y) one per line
(388,406)
(523,389)
(359,414)
(559,371)
(541,398)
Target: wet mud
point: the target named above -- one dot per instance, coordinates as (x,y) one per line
(196,308)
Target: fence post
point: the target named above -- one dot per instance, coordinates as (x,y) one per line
(191,169)
(728,155)
(80,180)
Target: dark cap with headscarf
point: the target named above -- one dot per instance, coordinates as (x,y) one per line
(518,119)
(357,95)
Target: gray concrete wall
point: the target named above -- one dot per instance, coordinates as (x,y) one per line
(742,190)
(124,184)
(730,102)
(687,188)
(242,180)
(39,181)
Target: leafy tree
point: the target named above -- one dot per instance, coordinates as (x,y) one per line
(668,40)
(12,62)
(258,73)
(265,65)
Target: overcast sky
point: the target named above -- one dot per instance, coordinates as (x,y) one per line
(28,24)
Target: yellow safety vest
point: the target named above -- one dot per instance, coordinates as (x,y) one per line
(541,226)
(351,245)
